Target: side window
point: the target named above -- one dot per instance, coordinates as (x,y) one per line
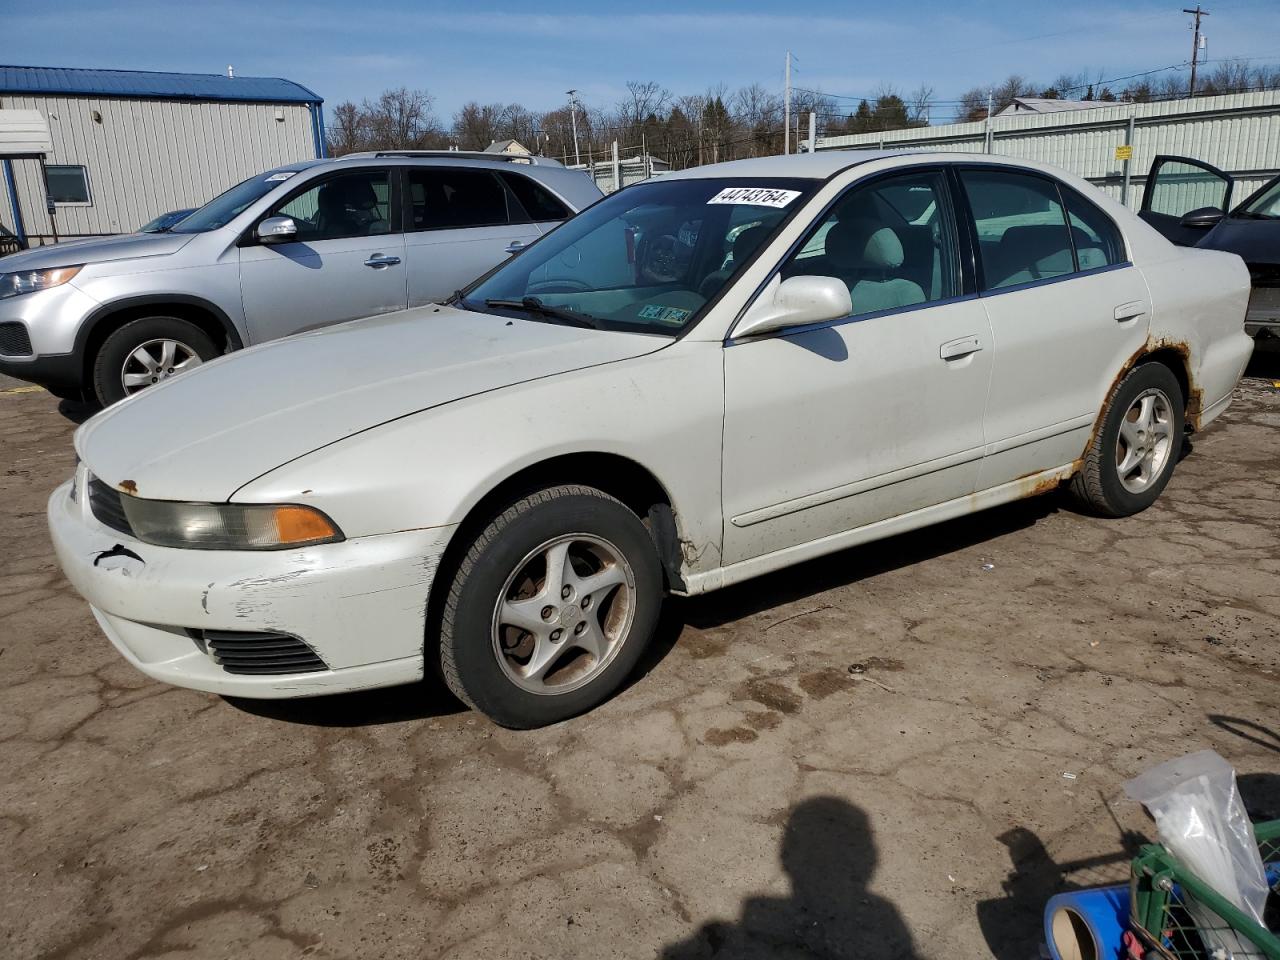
(1098,243)
(537,201)
(1022,229)
(1181,187)
(356,204)
(442,198)
(892,242)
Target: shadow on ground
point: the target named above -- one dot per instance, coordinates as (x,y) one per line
(829,854)
(415,701)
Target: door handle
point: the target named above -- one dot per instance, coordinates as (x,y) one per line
(515,246)
(961,347)
(1131,310)
(379,260)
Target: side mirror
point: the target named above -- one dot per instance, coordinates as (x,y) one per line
(795,302)
(277,230)
(1202,219)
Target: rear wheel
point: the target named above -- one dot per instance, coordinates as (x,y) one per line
(145,352)
(1133,454)
(550,608)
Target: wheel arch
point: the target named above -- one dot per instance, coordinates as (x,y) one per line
(621,477)
(110,317)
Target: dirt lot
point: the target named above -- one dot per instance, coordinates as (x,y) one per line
(747,796)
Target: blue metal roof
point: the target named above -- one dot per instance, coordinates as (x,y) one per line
(63,81)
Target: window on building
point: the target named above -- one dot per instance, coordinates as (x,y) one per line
(67,182)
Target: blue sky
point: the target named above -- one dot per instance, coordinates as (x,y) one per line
(533,50)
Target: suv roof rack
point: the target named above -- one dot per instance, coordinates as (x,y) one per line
(459,154)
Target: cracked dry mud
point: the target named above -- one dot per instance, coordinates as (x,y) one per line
(747,795)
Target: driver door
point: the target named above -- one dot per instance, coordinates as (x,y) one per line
(1175,187)
(347,260)
(838,425)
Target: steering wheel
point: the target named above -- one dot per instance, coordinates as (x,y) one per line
(660,264)
(562,285)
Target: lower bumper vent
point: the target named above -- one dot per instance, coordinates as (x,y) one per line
(14,341)
(259,653)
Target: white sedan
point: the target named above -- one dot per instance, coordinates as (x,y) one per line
(700,379)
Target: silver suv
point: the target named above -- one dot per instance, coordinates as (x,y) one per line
(291,249)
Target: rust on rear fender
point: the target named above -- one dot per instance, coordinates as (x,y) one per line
(1193,401)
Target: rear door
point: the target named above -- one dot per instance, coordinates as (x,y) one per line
(1175,187)
(1066,306)
(347,260)
(460,222)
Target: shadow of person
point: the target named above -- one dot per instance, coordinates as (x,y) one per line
(829,854)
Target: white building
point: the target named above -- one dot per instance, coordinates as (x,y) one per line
(129,145)
(1238,133)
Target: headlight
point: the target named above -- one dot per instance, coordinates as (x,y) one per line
(29,281)
(227,526)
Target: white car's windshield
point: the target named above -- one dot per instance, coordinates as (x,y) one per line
(226,206)
(647,258)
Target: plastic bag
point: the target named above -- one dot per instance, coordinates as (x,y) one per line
(1201,820)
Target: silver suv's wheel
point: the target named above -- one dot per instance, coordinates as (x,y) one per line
(551,607)
(1136,446)
(156,360)
(146,351)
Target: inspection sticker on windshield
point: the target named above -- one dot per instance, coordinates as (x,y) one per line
(280,176)
(755,196)
(672,315)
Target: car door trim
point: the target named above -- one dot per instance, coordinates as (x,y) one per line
(857,487)
(1061,278)
(841,321)
(1041,433)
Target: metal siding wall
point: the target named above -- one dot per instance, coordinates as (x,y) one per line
(150,156)
(1239,133)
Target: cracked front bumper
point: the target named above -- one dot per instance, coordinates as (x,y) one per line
(360,604)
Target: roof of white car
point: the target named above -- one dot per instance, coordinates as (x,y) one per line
(819,166)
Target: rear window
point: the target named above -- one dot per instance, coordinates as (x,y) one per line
(537,201)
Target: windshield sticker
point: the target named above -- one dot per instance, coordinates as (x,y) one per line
(280,176)
(672,315)
(755,196)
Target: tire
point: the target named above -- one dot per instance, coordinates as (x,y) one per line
(491,663)
(1100,484)
(149,333)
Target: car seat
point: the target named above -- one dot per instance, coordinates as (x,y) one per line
(869,257)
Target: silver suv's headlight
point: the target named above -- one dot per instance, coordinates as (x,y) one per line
(227,526)
(29,281)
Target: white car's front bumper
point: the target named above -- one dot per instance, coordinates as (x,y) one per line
(360,605)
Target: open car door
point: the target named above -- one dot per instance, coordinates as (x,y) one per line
(1184,198)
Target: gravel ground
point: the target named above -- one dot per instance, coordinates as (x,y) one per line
(747,795)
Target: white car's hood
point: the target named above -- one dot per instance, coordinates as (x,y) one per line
(127,246)
(206,433)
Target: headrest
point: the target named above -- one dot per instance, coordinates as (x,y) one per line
(745,243)
(865,243)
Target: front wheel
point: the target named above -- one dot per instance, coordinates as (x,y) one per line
(1133,454)
(146,351)
(551,607)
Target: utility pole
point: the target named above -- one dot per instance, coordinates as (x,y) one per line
(813,132)
(573,119)
(786,110)
(990,106)
(1195,44)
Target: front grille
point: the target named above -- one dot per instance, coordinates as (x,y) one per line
(106,505)
(259,653)
(14,341)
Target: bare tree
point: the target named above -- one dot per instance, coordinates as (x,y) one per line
(348,131)
(401,119)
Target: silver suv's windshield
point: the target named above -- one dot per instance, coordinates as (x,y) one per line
(647,258)
(226,206)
